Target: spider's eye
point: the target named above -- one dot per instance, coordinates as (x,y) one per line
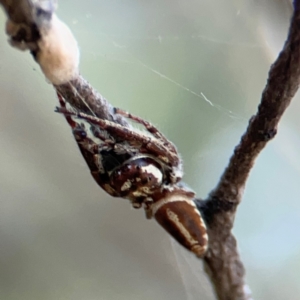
(140,176)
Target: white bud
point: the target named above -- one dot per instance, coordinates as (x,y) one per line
(58,54)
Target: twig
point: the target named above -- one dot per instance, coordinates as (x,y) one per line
(81,95)
(222,260)
(29,27)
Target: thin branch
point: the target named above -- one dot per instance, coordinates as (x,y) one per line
(29,20)
(81,95)
(223,263)
(27,23)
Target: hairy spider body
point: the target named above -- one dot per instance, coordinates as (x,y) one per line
(143,168)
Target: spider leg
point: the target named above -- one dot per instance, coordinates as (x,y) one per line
(151,128)
(102,135)
(80,133)
(90,151)
(62,103)
(177,172)
(153,145)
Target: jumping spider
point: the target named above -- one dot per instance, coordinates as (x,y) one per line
(143,167)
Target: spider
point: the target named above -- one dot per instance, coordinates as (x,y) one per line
(143,167)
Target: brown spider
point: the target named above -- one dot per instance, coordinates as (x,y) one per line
(143,167)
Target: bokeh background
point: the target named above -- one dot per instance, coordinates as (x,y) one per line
(196,69)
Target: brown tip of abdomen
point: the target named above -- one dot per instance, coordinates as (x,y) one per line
(183,221)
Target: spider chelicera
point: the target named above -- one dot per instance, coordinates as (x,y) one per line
(143,167)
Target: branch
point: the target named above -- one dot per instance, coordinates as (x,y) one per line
(81,95)
(222,260)
(33,25)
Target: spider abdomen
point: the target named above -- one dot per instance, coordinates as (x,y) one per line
(138,177)
(180,217)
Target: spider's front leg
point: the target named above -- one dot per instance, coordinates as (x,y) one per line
(151,128)
(147,144)
(92,155)
(170,149)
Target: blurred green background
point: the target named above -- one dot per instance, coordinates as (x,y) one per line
(196,69)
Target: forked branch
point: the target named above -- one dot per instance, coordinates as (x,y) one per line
(29,27)
(223,263)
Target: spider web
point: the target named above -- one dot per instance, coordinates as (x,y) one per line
(135,60)
(192,274)
(172,81)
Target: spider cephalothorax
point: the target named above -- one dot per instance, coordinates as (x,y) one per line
(143,167)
